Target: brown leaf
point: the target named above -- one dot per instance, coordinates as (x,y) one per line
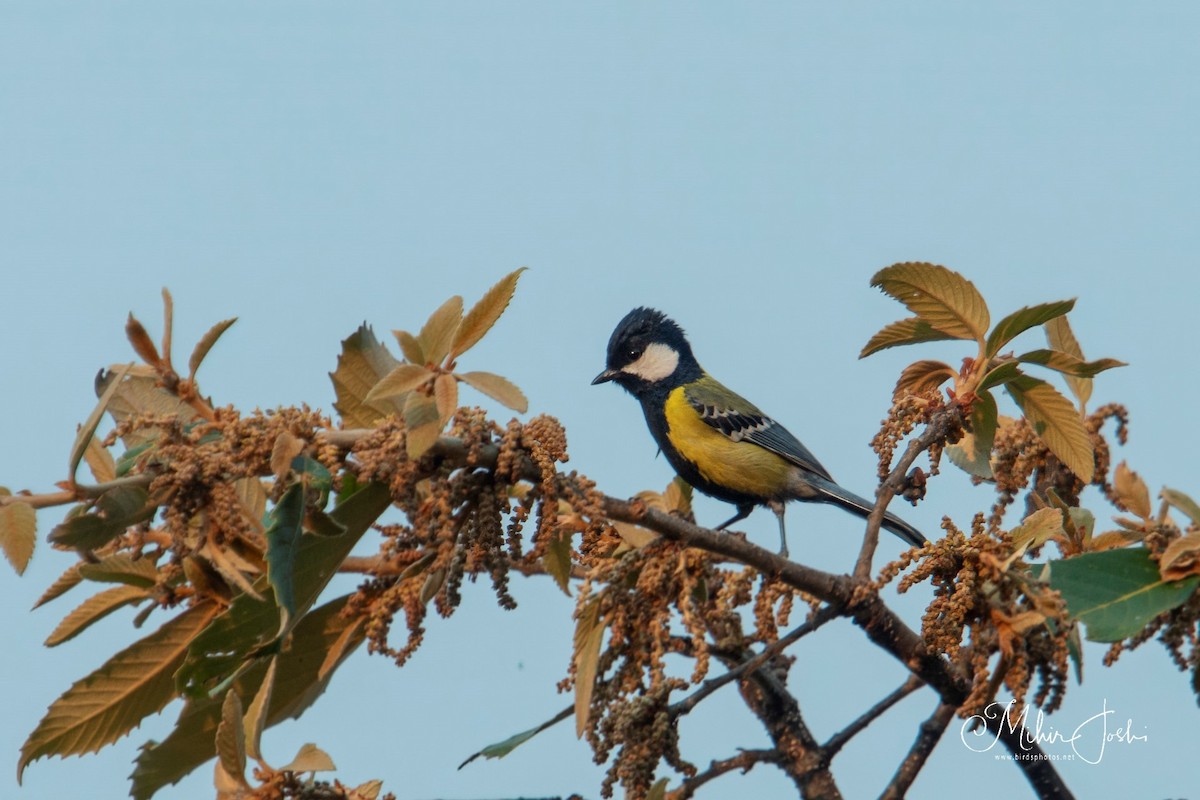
(401,380)
(922,376)
(1057,422)
(255,719)
(1060,337)
(944,299)
(143,345)
(1181,558)
(445,394)
(411,348)
(310,759)
(483,315)
(497,388)
(205,344)
(286,448)
(589,634)
(18,532)
(1110,540)
(86,431)
(1131,491)
(361,364)
(421,424)
(92,610)
(231,737)
(438,333)
(99,461)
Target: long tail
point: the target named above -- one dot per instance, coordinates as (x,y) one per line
(830,492)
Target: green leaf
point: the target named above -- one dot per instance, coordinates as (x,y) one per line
(310,759)
(295,687)
(18,532)
(110,702)
(658,791)
(589,633)
(1060,337)
(400,381)
(902,332)
(438,333)
(501,749)
(231,738)
(94,609)
(973,453)
(1057,422)
(947,301)
(497,388)
(361,365)
(483,315)
(116,510)
(122,568)
(283,541)
(206,343)
(1068,364)
(1022,320)
(1116,592)
(1182,502)
(557,560)
(88,429)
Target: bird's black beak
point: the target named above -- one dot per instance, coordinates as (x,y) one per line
(606,376)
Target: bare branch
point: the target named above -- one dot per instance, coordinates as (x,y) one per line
(744,761)
(839,739)
(929,734)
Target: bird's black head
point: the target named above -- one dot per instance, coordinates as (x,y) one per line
(648,350)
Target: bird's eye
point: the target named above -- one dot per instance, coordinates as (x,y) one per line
(634,353)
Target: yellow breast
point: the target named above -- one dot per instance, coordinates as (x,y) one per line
(741,466)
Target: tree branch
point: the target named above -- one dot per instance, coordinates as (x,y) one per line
(928,735)
(744,761)
(839,739)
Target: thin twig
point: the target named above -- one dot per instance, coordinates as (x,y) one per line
(688,703)
(744,761)
(839,739)
(928,735)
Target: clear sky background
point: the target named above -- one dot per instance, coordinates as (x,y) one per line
(307,166)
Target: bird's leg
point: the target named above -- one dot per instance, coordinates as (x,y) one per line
(778,508)
(743,511)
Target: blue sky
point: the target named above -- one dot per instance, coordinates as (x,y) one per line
(307,166)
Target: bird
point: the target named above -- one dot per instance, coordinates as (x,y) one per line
(715,439)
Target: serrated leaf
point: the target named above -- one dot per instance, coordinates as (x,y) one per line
(138,394)
(310,759)
(410,347)
(589,633)
(400,381)
(283,542)
(1132,491)
(116,510)
(421,424)
(111,701)
(1038,528)
(295,688)
(1182,502)
(922,376)
(99,461)
(206,343)
(557,560)
(1116,592)
(62,584)
(1000,373)
(973,453)
(1181,558)
(902,332)
(497,388)
(483,315)
(143,345)
(1022,320)
(92,610)
(361,364)
(945,300)
(438,333)
(501,749)
(18,532)
(1069,364)
(231,738)
(1057,422)
(122,568)
(445,395)
(255,720)
(1060,337)
(88,429)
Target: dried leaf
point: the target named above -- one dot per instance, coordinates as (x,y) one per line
(1132,491)
(557,560)
(168,324)
(1057,422)
(88,429)
(1111,540)
(401,380)
(232,568)
(286,448)
(92,610)
(361,364)
(902,332)
(18,532)
(1060,337)
(1038,528)
(1181,558)
(231,738)
(110,702)
(634,535)
(1022,320)
(143,345)
(206,343)
(100,461)
(421,424)
(445,395)
(255,720)
(945,300)
(1182,502)
(310,759)
(677,498)
(589,633)
(497,388)
(411,348)
(366,791)
(483,315)
(438,333)
(922,376)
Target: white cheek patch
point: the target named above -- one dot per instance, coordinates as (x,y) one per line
(657,362)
